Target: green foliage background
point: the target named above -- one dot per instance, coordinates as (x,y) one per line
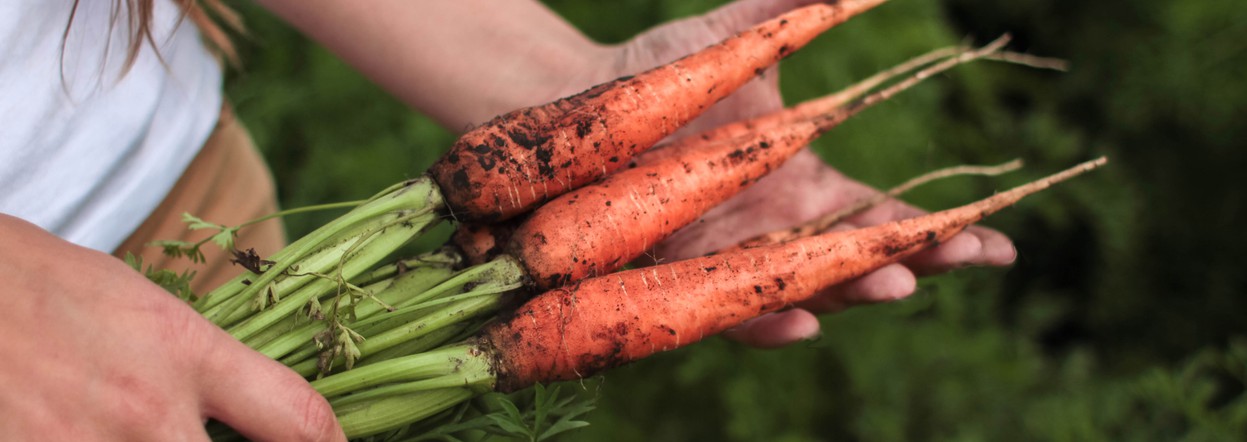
(1123,318)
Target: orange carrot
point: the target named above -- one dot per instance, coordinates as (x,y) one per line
(600,323)
(603,322)
(600,227)
(525,157)
(480,242)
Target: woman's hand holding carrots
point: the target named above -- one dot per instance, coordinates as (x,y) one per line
(491,58)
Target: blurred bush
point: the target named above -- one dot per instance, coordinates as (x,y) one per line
(1123,318)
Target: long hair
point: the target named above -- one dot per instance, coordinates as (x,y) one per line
(214,19)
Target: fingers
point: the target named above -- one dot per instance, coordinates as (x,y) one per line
(889,283)
(776,329)
(977,246)
(261,398)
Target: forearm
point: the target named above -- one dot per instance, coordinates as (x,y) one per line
(460,61)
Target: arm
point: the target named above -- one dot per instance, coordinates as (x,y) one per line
(460,61)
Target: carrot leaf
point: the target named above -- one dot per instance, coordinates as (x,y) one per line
(176,283)
(535,414)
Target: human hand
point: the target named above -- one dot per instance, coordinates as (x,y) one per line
(96,352)
(803,189)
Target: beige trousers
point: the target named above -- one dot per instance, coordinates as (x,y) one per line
(227,183)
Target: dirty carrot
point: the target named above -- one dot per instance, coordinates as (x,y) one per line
(603,322)
(481,241)
(600,227)
(808,229)
(523,158)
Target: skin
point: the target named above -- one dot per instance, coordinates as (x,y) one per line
(98,353)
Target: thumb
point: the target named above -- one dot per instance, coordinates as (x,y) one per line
(261,398)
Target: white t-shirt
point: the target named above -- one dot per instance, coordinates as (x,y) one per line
(87,149)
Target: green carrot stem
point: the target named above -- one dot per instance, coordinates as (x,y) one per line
(296,323)
(418,194)
(447,316)
(497,276)
(466,375)
(394,412)
(363,255)
(500,276)
(436,363)
(442,258)
(437,338)
(304,209)
(422,271)
(414,282)
(399,391)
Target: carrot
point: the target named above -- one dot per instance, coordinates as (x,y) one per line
(544,259)
(600,323)
(600,227)
(523,158)
(603,322)
(481,241)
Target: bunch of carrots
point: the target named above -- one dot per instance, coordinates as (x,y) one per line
(552,201)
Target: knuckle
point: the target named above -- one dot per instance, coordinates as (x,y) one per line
(138,402)
(183,330)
